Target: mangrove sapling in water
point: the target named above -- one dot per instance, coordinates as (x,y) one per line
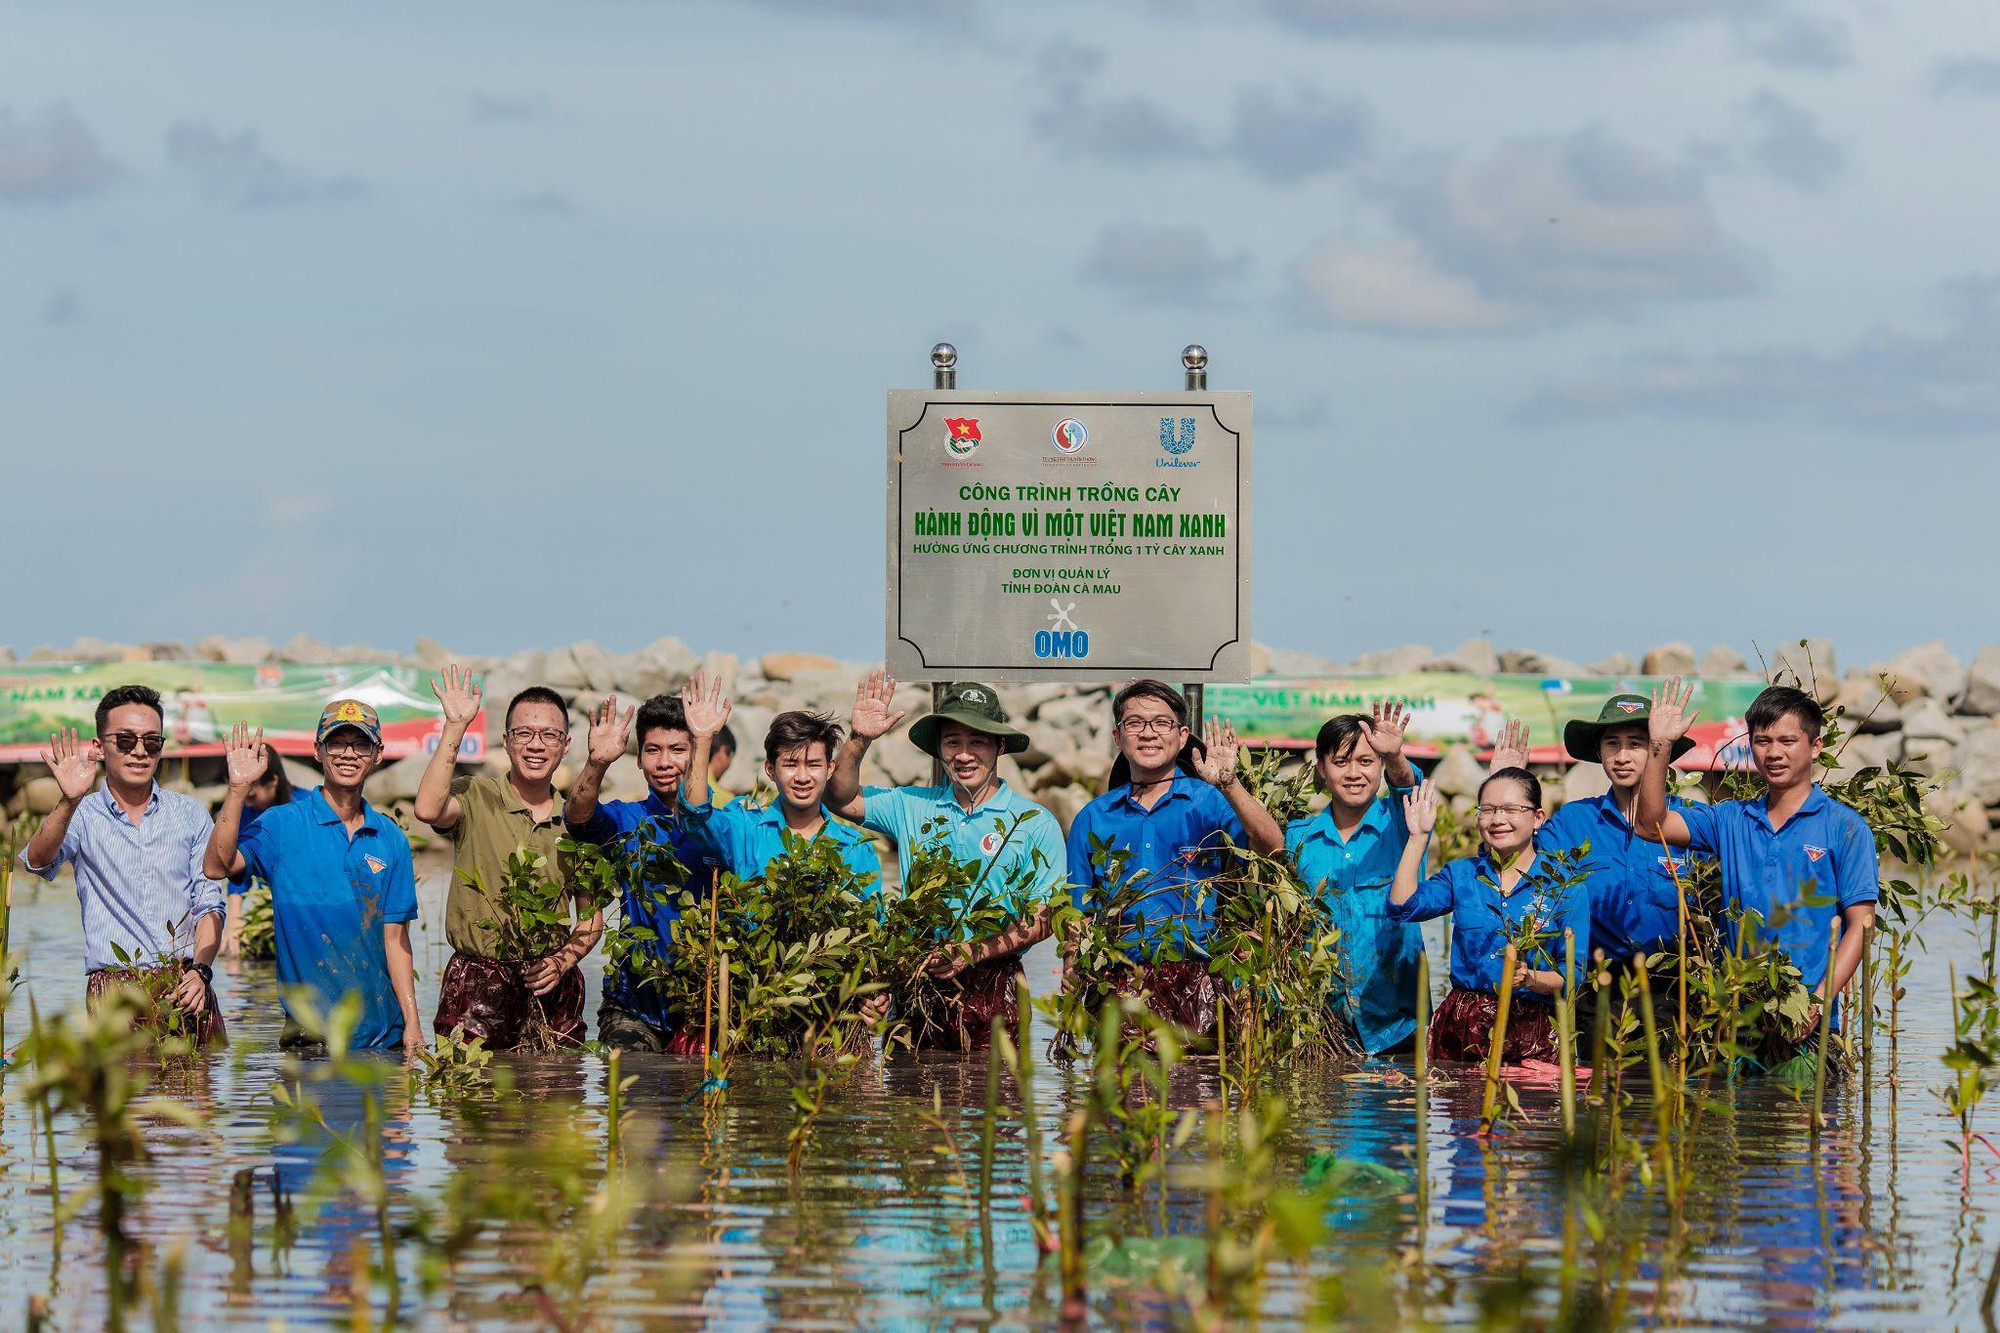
(534,922)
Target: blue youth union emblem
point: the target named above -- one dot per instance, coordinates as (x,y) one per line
(1176,444)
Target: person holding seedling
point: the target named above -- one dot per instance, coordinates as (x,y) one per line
(1348,853)
(1793,858)
(343,891)
(152,918)
(1506,894)
(1148,850)
(978,819)
(505,977)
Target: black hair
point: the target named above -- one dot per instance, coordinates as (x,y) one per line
(662,712)
(1121,769)
(800,727)
(535,694)
(1339,735)
(1529,783)
(724,740)
(1769,708)
(125,695)
(274,767)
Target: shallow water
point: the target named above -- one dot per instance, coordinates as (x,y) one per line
(1876,1225)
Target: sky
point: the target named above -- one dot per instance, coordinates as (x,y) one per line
(1579,324)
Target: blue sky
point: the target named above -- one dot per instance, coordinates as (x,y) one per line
(372,321)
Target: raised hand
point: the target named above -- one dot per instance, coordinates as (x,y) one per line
(1391,718)
(73,763)
(609,730)
(1670,719)
(1420,809)
(707,707)
(874,713)
(1511,750)
(1218,766)
(457,695)
(245,755)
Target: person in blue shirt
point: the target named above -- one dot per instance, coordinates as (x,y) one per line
(1503,894)
(659,858)
(343,891)
(274,788)
(1149,847)
(1348,853)
(1777,850)
(980,820)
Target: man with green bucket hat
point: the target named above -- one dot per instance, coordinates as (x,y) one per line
(1636,886)
(978,818)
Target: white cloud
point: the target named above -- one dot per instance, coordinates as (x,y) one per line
(1396,288)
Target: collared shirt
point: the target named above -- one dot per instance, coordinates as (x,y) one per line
(1481,916)
(1021,840)
(639,834)
(1825,850)
(744,838)
(1634,897)
(239,884)
(140,886)
(331,894)
(1377,989)
(1174,849)
(493,824)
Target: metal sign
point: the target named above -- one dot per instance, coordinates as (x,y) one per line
(1081,537)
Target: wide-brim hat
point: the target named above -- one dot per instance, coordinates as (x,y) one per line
(1584,740)
(972,705)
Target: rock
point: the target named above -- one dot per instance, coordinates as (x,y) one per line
(1981,697)
(1473,657)
(1864,705)
(1524,662)
(1260,659)
(561,671)
(1288,662)
(305,650)
(1668,659)
(90,648)
(395,781)
(1458,773)
(1927,756)
(1859,752)
(599,668)
(904,765)
(1064,803)
(787,666)
(1966,825)
(1618,664)
(1085,722)
(43,795)
(301,774)
(1928,669)
(716,665)
(431,655)
(1928,721)
(1979,764)
(1808,664)
(1394,661)
(1583,781)
(1721,660)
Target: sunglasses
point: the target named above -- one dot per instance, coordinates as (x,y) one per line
(125,742)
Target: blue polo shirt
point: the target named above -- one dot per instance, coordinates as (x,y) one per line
(743,839)
(1377,989)
(1018,841)
(1826,850)
(330,897)
(241,883)
(639,835)
(1469,889)
(1175,849)
(1634,901)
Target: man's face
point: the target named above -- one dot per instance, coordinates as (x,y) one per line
(132,739)
(801,774)
(1784,752)
(347,757)
(970,757)
(719,760)
(663,759)
(1351,781)
(1149,735)
(537,736)
(1622,751)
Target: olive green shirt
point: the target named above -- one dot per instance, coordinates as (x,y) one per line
(493,824)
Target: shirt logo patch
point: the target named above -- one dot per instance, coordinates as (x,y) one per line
(376,865)
(1670,864)
(1627,706)
(1814,853)
(991,842)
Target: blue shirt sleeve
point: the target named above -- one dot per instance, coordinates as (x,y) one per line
(1566,831)
(1226,818)
(1045,847)
(863,859)
(599,829)
(1703,825)
(255,844)
(1433,897)
(64,854)
(1857,874)
(1082,875)
(886,810)
(399,902)
(1576,917)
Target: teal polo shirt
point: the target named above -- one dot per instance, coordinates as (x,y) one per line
(743,839)
(1377,988)
(1025,860)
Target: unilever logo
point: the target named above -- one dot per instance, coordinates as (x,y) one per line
(1176,444)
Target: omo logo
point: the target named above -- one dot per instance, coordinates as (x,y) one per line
(1176,444)
(1062,638)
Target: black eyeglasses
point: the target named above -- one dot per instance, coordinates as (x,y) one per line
(149,742)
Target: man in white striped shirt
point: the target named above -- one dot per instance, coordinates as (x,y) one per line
(151,918)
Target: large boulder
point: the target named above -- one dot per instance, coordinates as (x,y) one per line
(664,665)
(1618,664)
(1668,659)
(1064,803)
(1474,657)
(1808,664)
(1927,670)
(1981,697)
(42,795)
(305,650)
(1978,761)
(1859,752)
(1393,661)
(432,655)
(1458,773)
(1291,662)
(395,781)
(561,671)
(1928,721)
(1721,660)
(1966,825)
(1864,705)
(1927,756)
(786,666)
(1527,662)
(1580,782)
(598,668)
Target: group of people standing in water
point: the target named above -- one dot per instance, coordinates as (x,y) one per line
(1608,873)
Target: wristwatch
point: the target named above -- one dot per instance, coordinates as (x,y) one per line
(207,973)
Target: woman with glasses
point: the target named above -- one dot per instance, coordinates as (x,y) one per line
(1504,894)
(151,918)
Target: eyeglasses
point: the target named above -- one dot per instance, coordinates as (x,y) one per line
(1149,726)
(1488,811)
(149,742)
(350,748)
(546,735)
